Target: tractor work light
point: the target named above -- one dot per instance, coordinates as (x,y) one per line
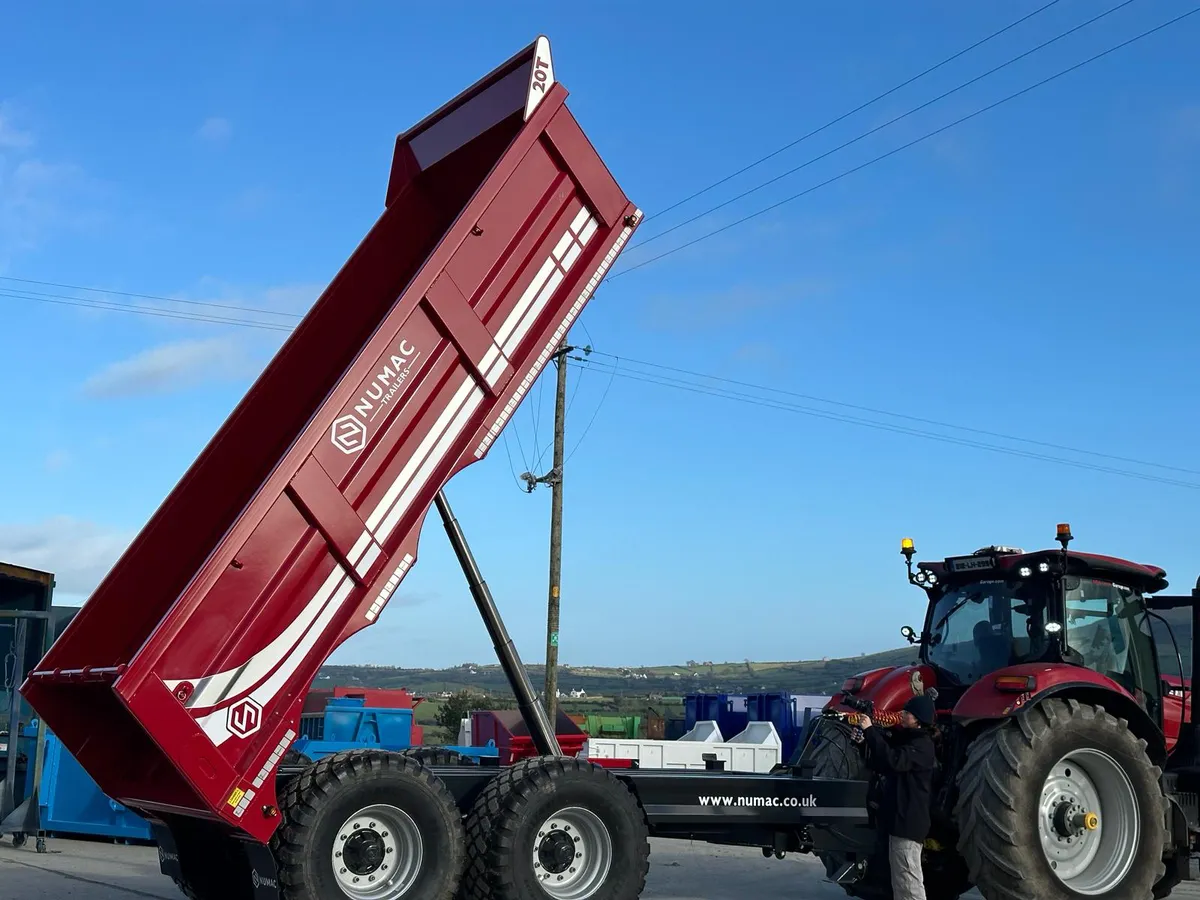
(1015,684)
(1025,571)
(1043,567)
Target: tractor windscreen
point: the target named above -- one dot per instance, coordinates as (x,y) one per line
(981,626)
(1107,627)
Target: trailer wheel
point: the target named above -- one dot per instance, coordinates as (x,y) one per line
(368,825)
(294,757)
(1059,802)
(557,828)
(438,756)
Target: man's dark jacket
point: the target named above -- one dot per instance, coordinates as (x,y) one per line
(908,762)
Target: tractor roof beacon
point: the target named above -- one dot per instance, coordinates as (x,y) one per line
(1068,752)
(180,684)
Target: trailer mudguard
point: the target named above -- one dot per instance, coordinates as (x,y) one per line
(179,685)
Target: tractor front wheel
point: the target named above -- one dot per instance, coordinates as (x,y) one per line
(1059,802)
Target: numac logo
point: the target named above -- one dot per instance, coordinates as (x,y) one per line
(349,432)
(245,717)
(262,880)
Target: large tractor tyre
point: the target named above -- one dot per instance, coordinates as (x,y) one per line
(294,757)
(368,825)
(556,828)
(835,755)
(437,756)
(1061,802)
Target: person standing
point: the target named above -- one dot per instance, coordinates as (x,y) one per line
(908,761)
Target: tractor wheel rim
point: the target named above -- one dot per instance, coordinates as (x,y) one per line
(377,853)
(1089,822)
(572,854)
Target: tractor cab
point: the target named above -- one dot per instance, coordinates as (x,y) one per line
(1001,607)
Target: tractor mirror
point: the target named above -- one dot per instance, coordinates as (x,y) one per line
(909,634)
(1071,582)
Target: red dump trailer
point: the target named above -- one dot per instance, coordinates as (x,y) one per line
(180,684)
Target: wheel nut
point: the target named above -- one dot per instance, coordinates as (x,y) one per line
(389,849)
(342,871)
(338,854)
(579,856)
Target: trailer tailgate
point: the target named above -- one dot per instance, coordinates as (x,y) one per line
(180,683)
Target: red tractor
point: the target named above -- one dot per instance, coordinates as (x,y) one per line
(1068,759)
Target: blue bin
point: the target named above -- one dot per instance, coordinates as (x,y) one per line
(70,802)
(729,711)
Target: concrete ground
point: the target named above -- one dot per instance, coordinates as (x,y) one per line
(93,870)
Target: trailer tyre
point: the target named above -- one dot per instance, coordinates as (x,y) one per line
(1059,802)
(556,828)
(437,756)
(368,825)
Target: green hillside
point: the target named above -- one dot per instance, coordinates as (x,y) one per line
(801,677)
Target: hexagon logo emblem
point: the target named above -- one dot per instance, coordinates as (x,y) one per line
(349,434)
(245,717)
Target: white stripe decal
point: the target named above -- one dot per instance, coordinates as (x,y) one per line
(228,684)
(364,564)
(360,545)
(275,757)
(215,724)
(556,338)
(434,458)
(386,593)
(284,651)
(410,466)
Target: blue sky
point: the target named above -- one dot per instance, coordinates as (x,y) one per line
(1031,272)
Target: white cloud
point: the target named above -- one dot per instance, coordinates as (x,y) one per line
(79,553)
(173,366)
(11,137)
(57,460)
(215,129)
(38,196)
(730,307)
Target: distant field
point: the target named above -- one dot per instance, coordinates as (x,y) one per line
(609,685)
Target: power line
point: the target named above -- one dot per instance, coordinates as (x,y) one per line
(87,303)
(76,287)
(877,128)
(679,384)
(902,147)
(885,412)
(857,109)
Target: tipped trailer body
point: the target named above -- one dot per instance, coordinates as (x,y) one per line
(180,684)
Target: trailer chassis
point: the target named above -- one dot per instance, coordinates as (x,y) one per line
(780,812)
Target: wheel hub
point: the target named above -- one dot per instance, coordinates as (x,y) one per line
(364,851)
(1088,821)
(556,851)
(572,854)
(377,854)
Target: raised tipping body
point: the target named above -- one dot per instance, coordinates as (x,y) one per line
(180,683)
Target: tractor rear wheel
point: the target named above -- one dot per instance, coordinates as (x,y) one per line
(1059,802)
(835,755)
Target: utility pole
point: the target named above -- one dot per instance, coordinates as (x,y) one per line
(554,478)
